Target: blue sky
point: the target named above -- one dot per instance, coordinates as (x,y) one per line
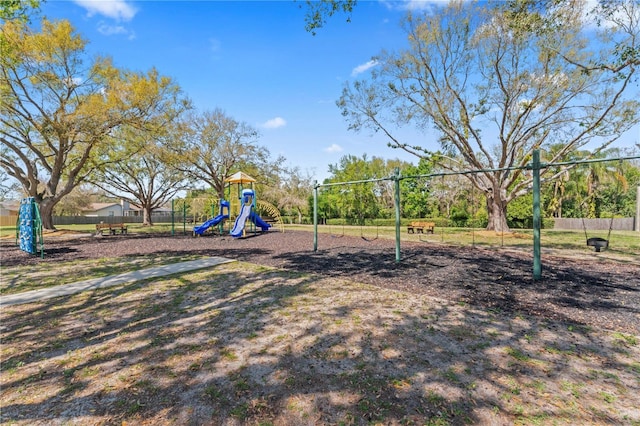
(255,61)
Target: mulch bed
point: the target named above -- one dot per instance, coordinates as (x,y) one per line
(584,291)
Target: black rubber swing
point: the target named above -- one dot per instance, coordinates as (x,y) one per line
(596,242)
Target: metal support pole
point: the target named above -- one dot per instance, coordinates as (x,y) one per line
(173,217)
(637,227)
(184,218)
(315,215)
(537,221)
(396,182)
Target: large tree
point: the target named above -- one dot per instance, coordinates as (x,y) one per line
(498,80)
(142,177)
(291,192)
(58,108)
(212,146)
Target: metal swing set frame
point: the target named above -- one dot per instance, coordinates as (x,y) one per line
(535,167)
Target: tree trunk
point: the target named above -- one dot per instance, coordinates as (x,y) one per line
(46,213)
(497,211)
(146,216)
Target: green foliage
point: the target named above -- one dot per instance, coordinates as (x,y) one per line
(599,189)
(361,202)
(520,212)
(416,200)
(18,9)
(459,216)
(319,10)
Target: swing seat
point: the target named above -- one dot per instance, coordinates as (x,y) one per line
(597,243)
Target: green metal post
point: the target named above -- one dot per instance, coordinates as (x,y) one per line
(537,222)
(315,215)
(173,217)
(184,218)
(396,181)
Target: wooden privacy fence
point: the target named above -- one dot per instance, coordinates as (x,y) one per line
(91,220)
(619,224)
(8,220)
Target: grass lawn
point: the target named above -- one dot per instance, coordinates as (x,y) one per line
(246,344)
(623,244)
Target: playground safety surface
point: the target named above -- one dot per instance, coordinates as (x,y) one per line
(600,293)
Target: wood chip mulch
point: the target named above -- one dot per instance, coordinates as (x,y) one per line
(586,291)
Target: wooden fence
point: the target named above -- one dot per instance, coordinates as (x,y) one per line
(90,220)
(8,220)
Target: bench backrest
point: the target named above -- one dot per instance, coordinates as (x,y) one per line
(423,224)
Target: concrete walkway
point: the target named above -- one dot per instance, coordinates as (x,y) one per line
(95,283)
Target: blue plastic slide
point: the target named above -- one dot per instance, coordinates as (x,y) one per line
(240,220)
(257,220)
(209,223)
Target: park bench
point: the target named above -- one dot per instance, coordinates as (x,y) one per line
(112,228)
(421,227)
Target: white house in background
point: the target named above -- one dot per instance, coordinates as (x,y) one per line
(103,209)
(123,208)
(9,208)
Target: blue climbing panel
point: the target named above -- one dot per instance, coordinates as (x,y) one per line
(29,226)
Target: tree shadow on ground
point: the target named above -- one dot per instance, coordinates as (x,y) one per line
(253,345)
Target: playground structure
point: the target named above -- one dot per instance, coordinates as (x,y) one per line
(29,227)
(246,208)
(247,212)
(222,216)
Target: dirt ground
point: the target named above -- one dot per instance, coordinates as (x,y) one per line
(585,290)
(342,336)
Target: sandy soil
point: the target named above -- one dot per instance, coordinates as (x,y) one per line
(345,335)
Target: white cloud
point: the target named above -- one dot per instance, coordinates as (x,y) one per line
(119,10)
(423,5)
(333,148)
(274,123)
(363,67)
(106,29)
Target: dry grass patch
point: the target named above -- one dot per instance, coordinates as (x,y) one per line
(242,344)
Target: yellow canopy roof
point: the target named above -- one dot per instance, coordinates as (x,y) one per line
(240,177)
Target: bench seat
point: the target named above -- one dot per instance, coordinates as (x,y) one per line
(111,228)
(421,227)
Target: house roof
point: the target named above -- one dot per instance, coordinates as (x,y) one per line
(132,207)
(99,206)
(10,204)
